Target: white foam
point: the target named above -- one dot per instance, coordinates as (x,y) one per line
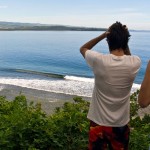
(71,85)
(135,87)
(58,86)
(79,79)
(1,88)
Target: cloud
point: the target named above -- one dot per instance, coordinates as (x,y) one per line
(125,10)
(3,6)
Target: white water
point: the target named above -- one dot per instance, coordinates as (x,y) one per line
(70,85)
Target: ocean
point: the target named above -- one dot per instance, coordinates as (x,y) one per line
(51,61)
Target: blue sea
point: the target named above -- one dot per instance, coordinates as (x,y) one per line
(50,60)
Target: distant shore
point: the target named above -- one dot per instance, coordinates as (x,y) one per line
(15,26)
(18,26)
(52,29)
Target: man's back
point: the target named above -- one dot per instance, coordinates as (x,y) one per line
(114,76)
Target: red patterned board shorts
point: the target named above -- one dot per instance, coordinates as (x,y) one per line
(112,138)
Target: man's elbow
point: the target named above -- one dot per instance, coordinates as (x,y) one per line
(82,51)
(143,102)
(143,105)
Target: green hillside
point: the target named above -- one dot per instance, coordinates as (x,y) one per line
(38,27)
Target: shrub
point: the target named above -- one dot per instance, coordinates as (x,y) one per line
(70,126)
(25,126)
(22,126)
(140,127)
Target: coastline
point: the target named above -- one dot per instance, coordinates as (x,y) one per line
(49,100)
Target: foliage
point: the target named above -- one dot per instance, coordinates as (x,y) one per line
(140,126)
(24,126)
(70,125)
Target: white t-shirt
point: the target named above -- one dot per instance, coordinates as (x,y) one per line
(114,76)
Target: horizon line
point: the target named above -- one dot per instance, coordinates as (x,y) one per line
(67,25)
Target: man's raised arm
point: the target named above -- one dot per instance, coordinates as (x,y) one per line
(90,44)
(144,94)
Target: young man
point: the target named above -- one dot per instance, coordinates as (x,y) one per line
(144,94)
(114,75)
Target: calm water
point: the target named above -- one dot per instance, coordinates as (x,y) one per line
(50,60)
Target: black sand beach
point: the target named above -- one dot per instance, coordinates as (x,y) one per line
(49,100)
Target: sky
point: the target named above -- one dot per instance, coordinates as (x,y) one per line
(84,13)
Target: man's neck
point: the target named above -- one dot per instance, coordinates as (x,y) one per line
(118,52)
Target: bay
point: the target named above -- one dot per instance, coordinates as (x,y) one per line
(50,60)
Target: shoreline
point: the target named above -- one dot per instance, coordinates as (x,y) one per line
(49,100)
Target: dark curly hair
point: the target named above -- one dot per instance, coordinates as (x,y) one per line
(118,37)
